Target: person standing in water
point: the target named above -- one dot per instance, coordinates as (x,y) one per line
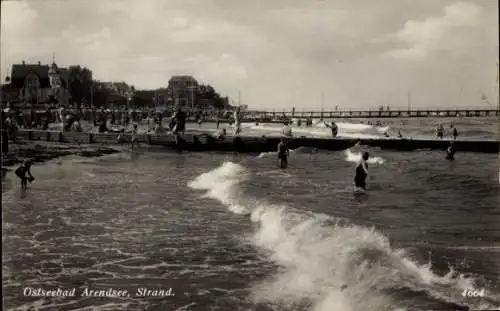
(450,152)
(237,124)
(454,132)
(333,126)
(283,153)
(440,131)
(180,125)
(362,172)
(24,173)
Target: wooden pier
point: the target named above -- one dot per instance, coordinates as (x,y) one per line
(339,114)
(279,116)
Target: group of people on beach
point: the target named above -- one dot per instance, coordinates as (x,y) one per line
(440,131)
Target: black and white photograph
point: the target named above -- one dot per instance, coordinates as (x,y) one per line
(250,155)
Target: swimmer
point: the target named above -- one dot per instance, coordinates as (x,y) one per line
(362,172)
(450,152)
(399,134)
(333,126)
(24,173)
(283,153)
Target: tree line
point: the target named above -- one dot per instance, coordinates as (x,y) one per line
(86,91)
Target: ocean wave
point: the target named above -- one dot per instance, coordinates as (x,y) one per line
(326,264)
(356,157)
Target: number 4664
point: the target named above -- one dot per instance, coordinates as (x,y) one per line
(473,293)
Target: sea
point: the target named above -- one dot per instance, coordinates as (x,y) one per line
(226,231)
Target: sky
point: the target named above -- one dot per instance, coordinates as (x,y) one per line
(272,54)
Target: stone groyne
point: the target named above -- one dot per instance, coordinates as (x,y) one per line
(252,144)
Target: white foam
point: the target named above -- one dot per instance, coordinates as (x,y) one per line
(318,254)
(383,129)
(356,157)
(354,126)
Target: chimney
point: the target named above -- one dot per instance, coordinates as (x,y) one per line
(24,63)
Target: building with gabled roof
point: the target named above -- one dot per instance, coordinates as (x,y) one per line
(40,84)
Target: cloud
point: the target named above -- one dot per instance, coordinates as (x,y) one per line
(437,33)
(279,53)
(20,16)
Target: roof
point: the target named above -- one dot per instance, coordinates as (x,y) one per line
(176,79)
(20,71)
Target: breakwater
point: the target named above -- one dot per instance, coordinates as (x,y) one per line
(207,142)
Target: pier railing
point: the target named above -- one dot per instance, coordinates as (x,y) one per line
(360,113)
(260,115)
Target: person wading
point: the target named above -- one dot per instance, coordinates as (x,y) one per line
(180,126)
(283,153)
(362,172)
(450,152)
(24,173)
(440,131)
(237,124)
(333,126)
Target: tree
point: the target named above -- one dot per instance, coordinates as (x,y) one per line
(80,84)
(208,92)
(143,98)
(100,97)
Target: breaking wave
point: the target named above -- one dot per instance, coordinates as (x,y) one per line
(326,263)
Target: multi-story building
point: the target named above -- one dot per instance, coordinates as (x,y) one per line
(37,84)
(118,92)
(182,91)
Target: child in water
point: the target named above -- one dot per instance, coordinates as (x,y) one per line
(362,172)
(283,153)
(24,173)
